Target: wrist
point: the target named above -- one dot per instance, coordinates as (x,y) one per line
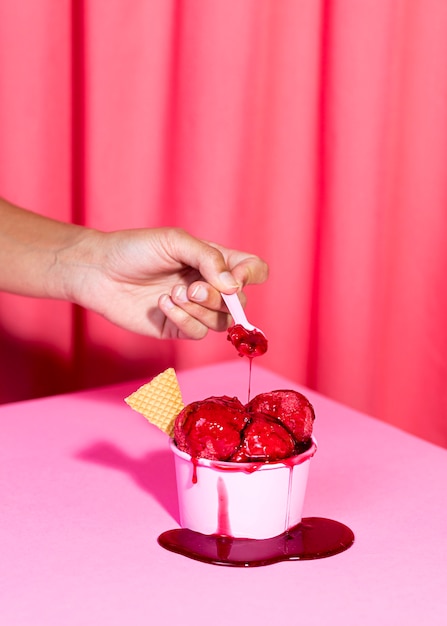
(73,264)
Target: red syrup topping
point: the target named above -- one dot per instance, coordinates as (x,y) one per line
(249,343)
(313,538)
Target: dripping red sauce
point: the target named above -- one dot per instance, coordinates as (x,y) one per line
(194,462)
(252,466)
(249,343)
(223,516)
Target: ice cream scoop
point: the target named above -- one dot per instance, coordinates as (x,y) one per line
(211,428)
(290,407)
(272,427)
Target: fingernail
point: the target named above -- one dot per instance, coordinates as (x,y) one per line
(199,293)
(166,302)
(227,280)
(180,294)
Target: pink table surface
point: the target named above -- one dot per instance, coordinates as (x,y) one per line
(87,485)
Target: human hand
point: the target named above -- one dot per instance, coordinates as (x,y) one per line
(160,282)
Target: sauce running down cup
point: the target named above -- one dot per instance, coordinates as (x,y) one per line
(241,500)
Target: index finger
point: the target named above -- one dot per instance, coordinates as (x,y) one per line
(247,269)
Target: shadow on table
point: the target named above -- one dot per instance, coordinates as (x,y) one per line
(153,472)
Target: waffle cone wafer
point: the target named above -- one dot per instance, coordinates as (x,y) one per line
(160,400)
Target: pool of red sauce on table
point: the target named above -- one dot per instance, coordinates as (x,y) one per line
(312,538)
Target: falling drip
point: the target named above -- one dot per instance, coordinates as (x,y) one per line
(249,378)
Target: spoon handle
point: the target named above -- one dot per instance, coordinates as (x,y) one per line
(237,312)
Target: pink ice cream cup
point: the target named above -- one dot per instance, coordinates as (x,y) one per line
(242,500)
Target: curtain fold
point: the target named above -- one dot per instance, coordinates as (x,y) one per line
(313,133)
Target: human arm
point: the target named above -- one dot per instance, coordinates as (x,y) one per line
(161,282)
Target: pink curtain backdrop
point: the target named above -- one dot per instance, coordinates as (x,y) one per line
(312,132)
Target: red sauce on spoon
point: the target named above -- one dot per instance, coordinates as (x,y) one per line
(249,343)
